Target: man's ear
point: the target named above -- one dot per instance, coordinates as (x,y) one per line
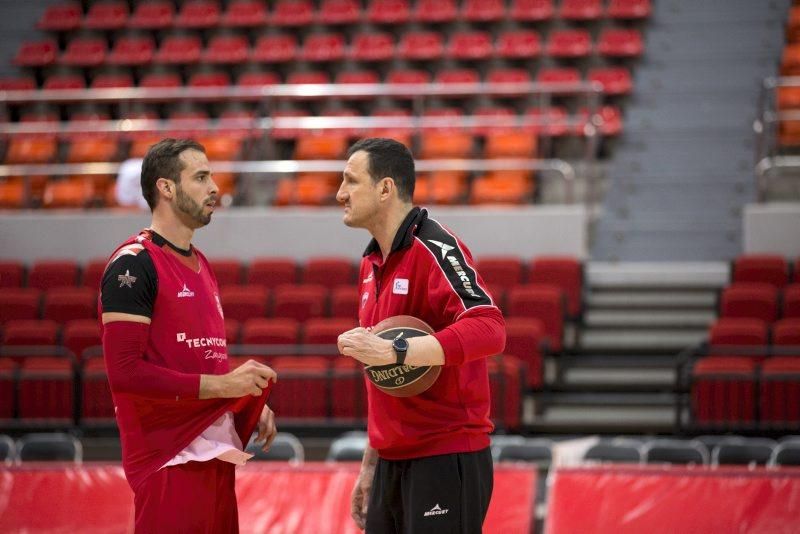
(166,187)
(387,186)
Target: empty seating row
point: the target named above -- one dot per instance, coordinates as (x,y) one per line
(761,301)
(203,14)
(770,269)
(41,447)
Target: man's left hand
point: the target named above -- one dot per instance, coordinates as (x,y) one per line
(366,347)
(266,428)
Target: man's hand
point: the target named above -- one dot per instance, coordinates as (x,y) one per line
(359,498)
(366,347)
(266,428)
(248,379)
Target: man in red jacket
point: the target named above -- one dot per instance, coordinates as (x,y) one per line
(428,466)
(183,417)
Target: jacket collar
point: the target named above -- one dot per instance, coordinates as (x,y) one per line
(405,234)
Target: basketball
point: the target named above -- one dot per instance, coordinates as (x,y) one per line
(402,380)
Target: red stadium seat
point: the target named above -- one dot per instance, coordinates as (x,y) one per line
(498,113)
(8,372)
(20,303)
(458,75)
(373,46)
(17,83)
(227,50)
(565,273)
(762,268)
(581,9)
(152,15)
(258,79)
(107,15)
(333,12)
(61,17)
(245,14)
(179,50)
(790,303)
(306,77)
(786,333)
(85,52)
(278,48)
(357,77)
(329,271)
(531,10)
(46,387)
(292,13)
(615,80)
(388,11)
(628,9)
(228,271)
(780,392)
(470,45)
(543,302)
(738,332)
(209,79)
(502,271)
(615,42)
(558,75)
(325,331)
(348,390)
(569,43)
(97,405)
(29,333)
(505,384)
(523,337)
(112,81)
(723,391)
(421,45)
(396,132)
(300,302)
(233,330)
(81,334)
(322,47)
(64,303)
(157,80)
(198,14)
(12,273)
(345,302)
(610,116)
(407,76)
(244,302)
(753,300)
(277,332)
(483,10)
(435,11)
(283,132)
(47,274)
(519,44)
(303,393)
(36,53)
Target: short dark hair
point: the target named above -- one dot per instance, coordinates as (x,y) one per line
(163,161)
(391,158)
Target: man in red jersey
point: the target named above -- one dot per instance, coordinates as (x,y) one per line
(183,417)
(427,467)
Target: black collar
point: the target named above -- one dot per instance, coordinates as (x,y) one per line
(160,241)
(405,234)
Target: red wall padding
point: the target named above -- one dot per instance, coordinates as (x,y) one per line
(656,500)
(273,498)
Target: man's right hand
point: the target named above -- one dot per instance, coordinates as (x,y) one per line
(247,379)
(360,498)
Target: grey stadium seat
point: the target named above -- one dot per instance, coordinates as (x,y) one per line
(8,450)
(618,450)
(674,451)
(285,448)
(786,453)
(536,450)
(49,447)
(347,448)
(743,451)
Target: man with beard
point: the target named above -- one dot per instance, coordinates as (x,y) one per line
(183,417)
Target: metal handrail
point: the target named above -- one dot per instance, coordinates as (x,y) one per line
(765,130)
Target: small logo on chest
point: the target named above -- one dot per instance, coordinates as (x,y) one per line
(185,292)
(400,286)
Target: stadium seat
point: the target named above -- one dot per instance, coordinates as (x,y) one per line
(153,80)
(470,45)
(244,302)
(743,451)
(581,9)
(531,450)
(335,12)
(786,453)
(79,335)
(558,75)
(279,331)
(93,273)
(628,9)
(761,268)
(786,333)
(20,303)
(348,391)
(179,50)
(323,47)
(738,332)
(531,10)
(510,144)
(505,271)
(300,302)
(47,274)
(435,11)
(36,53)
(84,52)
(198,15)
(363,76)
(64,303)
(542,302)
(348,448)
(61,17)
(272,272)
(132,51)
(483,10)
(112,81)
(610,116)
(285,448)
(388,11)
(324,145)
(615,80)
(569,43)
(276,48)
(46,390)
(672,451)
(421,46)
(152,15)
(503,75)
(523,337)
(307,77)
(723,391)
(49,447)
(754,300)
(226,50)
(790,306)
(620,43)
(97,405)
(505,384)
(245,14)
(215,78)
(325,332)
(779,400)
(8,387)
(292,13)
(400,133)
(344,301)
(499,189)
(12,194)
(107,15)
(227,271)
(329,271)
(303,393)
(616,450)
(372,46)
(17,83)
(12,273)
(518,44)
(563,272)
(233,330)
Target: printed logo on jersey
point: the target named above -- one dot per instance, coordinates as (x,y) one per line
(436,510)
(364,298)
(209,344)
(400,286)
(219,306)
(369,278)
(185,292)
(445,248)
(126,279)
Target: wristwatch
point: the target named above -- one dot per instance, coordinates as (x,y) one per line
(400,346)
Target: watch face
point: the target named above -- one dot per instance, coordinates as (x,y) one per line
(400,344)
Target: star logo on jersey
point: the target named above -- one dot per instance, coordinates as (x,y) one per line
(126,279)
(185,292)
(445,248)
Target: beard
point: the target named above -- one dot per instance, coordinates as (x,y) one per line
(190,209)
